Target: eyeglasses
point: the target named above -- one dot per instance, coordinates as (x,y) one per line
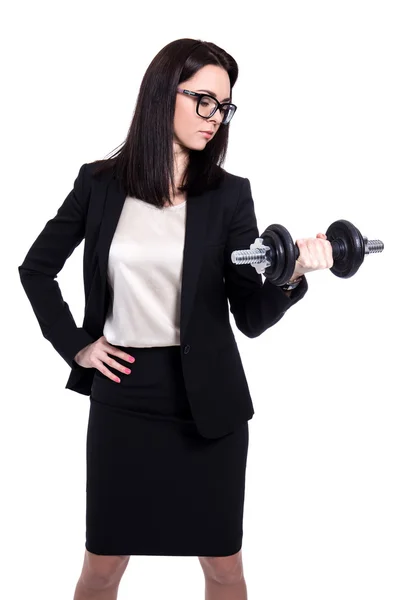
(208,105)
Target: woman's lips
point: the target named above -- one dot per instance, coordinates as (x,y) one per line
(207,135)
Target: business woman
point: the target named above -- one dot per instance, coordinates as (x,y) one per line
(167,434)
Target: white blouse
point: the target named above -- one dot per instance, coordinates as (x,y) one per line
(144,275)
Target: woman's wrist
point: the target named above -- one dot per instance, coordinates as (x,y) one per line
(293,282)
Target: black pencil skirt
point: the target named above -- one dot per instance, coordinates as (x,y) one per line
(154,485)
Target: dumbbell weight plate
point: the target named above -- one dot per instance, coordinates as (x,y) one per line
(351,248)
(276,255)
(283,261)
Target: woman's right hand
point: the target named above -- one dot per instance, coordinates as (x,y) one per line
(96,354)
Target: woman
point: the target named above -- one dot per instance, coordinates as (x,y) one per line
(167,432)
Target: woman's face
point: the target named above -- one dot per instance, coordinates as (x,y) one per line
(187,124)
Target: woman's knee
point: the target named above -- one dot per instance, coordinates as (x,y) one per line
(101,572)
(223,569)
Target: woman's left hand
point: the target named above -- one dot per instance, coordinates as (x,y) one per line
(314,254)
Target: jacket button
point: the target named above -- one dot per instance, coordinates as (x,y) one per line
(186,349)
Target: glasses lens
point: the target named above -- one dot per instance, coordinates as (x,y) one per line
(207,106)
(228,114)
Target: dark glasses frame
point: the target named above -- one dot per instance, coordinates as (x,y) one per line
(217,107)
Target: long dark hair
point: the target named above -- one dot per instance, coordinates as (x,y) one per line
(145,163)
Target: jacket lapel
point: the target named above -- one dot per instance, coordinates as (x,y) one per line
(197,211)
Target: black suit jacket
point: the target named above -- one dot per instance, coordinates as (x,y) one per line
(218,222)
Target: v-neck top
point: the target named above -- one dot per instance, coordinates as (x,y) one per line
(144,275)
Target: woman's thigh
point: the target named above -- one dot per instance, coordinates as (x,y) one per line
(225,569)
(102,570)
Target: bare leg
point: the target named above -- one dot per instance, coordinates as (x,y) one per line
(224,577)
(100,577)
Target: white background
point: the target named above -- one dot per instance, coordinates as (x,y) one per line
(316,132)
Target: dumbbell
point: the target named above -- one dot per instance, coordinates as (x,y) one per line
(274,253)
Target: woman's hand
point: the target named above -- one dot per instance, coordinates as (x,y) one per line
(96,354)
(314,254)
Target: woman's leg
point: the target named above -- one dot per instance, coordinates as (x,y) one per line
(100,577)
(224,577)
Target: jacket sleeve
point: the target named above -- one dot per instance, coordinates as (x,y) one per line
(256,306)
(44,260)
